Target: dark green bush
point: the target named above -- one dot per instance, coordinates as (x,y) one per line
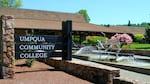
(147,35)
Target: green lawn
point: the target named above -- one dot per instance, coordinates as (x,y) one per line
(137,46)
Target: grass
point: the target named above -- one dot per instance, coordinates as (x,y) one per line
(137,46)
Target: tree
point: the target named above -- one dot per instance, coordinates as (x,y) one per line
(86,16)
(11,3)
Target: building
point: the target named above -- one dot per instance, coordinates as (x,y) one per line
(27,20)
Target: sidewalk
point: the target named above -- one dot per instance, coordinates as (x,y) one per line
(41,73)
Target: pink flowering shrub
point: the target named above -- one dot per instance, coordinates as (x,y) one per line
(124,39)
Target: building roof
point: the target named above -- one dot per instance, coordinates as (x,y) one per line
(129,29)
(41,15)
(56,25)
(37,19)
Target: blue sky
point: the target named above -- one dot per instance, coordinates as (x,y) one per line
(100,11)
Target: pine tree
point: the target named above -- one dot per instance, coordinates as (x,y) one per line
(129,23)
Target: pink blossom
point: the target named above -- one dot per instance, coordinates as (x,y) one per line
(123,38)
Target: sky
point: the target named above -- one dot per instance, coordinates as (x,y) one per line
(113,12)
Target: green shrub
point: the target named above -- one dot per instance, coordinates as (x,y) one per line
(139,37)
(93,40)
(85,42)
(76,39)
(29,62)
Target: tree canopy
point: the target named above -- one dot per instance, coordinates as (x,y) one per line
(84,12)
(11,3)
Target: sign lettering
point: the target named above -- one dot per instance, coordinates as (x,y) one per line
(36,47)
(36,44)
(28,55)
(33,55)
(37,38)
(31,39)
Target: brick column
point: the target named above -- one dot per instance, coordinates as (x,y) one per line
(7,43)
